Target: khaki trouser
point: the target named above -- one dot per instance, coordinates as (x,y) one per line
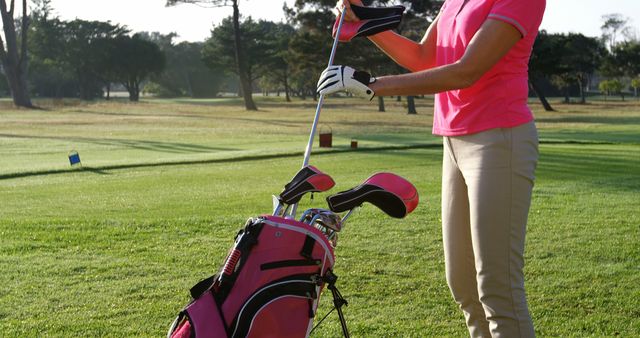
(486,193)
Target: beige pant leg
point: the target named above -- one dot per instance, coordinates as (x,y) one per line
(498,168)
(458,249)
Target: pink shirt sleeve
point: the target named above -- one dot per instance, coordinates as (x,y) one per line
(524,15)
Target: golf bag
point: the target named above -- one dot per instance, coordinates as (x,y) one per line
(271,280)
(270,283)
(268,287)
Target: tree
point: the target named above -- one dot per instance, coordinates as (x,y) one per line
(239,52)
(613,23)
(635,84)
(626,57)
(411,105)
(70,58)
(567,60)
(605,88)
(218,51)
(582,56)
(135,59)
(542,64)
(310,47)
(88,54)
(563,81)
(48,75)
(185,74)
(609,87)
(277,69)
(14,56)
(623,62)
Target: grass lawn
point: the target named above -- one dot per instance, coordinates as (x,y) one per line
(112,250)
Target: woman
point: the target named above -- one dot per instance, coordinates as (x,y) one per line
(475,57)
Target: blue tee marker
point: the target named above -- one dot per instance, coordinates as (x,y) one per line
(74,158)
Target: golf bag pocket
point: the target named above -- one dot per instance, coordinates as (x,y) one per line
(286,306)
(201,318)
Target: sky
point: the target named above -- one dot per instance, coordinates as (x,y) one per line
(191,22)
(194,23)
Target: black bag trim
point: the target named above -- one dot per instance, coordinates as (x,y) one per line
(202,286)
(307,248)
(290,263)
(303,286)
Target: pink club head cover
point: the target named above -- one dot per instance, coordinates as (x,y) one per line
(398,186)
(391,193)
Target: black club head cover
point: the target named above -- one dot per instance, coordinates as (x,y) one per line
(373,20)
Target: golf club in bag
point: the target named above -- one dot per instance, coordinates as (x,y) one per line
(279,264)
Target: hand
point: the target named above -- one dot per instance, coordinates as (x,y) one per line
(345,78)
(345,6)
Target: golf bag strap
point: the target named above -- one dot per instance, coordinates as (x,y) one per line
(245,241)
(307,248)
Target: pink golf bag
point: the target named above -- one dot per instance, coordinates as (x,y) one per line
(272,278)
(268,287)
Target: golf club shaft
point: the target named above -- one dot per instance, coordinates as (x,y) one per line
(314,127)
(307,153)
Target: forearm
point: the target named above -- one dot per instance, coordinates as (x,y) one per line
(430,81)
(405,52)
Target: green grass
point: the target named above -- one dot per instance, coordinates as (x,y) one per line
(113,249)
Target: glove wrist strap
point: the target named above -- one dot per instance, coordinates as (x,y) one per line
(363,77)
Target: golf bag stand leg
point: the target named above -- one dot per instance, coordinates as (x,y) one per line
(338,300)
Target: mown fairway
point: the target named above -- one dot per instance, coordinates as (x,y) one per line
(112,250)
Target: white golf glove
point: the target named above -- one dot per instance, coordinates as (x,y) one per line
(344,78)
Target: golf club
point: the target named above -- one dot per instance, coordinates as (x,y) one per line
(314,127)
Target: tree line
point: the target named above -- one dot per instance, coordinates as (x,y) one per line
(289,56)
(45,56)
(574,64)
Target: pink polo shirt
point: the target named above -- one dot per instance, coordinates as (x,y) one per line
(499,98)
